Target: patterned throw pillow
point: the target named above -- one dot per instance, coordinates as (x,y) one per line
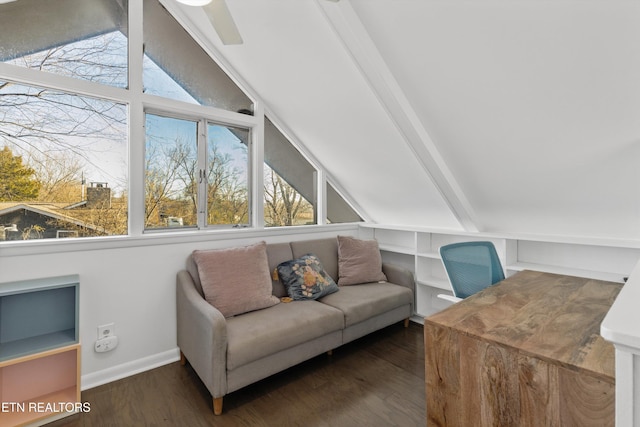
(305,278)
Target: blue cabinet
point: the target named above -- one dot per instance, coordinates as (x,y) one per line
(39,349)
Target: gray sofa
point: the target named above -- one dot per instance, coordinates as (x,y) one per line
(230,353)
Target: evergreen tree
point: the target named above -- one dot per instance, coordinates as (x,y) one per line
(17,182)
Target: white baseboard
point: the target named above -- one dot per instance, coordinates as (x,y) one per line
(128,369)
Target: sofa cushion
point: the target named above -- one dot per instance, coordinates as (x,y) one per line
(236,280)
(261,333)
(305,278)
(361,302)
(278,253)
(325,249)
(359,261)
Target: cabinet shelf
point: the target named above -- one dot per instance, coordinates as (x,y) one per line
(435,282)
(430,255)
(29,345)
(397,249)
(40,385)
(36,316)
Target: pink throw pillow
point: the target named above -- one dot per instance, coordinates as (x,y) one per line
(359,261)
(236,280)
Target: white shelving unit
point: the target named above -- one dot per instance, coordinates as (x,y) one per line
(417,249)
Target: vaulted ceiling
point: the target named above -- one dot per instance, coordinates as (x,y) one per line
(495,115)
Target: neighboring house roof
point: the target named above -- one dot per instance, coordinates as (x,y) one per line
(51,210)
(76,205)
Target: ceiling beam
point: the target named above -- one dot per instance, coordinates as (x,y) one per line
(350,30)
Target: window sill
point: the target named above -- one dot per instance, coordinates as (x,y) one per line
(44,246)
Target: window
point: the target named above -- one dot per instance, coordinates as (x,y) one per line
(227,171)
(290,182)
(176,67)
(56,145)
(338,210)
(190,187)
(53,146)
(76,38)
(171,173)
(64,143)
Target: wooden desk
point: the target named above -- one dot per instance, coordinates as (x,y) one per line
(525,352)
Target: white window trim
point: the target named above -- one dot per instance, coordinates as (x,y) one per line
(233,236)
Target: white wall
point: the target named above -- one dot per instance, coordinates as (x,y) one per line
(532,104)
(134,287)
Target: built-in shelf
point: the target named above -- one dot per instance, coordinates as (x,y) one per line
(39,349)
(397,249)
(431,255)
(417,248)
(435,282)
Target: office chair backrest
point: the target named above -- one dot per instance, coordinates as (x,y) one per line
(471,266)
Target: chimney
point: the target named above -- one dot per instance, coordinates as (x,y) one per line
(98,195)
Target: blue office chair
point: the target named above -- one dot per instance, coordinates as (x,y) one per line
(471,267)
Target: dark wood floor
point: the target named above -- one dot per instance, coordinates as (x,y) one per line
(377,380)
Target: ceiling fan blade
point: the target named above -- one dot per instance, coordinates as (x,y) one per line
(222,21)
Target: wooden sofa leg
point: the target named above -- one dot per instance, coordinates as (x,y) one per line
(217,405)
(330,353)
(183,360)
(406,322)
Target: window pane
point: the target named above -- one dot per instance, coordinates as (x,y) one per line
(176,67)
(228,175)
(85,39)
(289,182)
(63,164)
(171,172)
(338,210)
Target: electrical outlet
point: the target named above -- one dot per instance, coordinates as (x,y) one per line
(107,330)
(106,344)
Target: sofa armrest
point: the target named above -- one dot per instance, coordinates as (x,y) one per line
(399,276)
(202,335)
